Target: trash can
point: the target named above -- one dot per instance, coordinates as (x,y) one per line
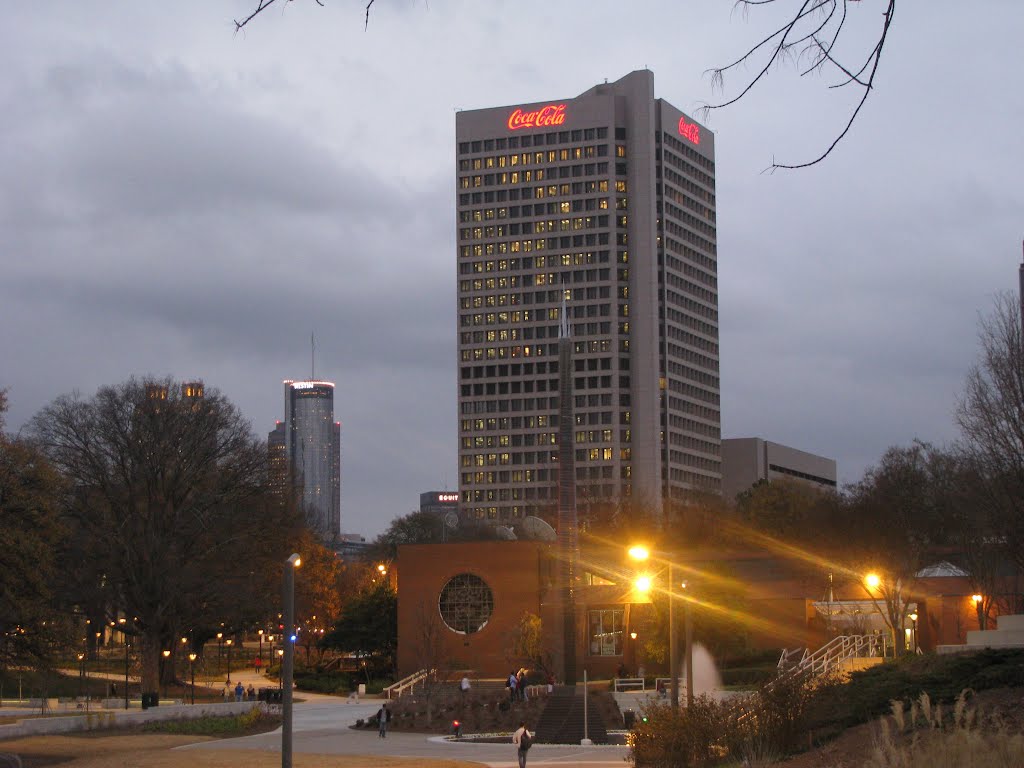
(628,719)
(150,699)
(276,695)
(362,689)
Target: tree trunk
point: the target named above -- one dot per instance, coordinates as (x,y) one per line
(149,661)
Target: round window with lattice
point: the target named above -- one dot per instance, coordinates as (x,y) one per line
(466,603)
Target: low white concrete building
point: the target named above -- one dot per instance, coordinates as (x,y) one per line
(747,460)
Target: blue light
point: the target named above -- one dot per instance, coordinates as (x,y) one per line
(293,638)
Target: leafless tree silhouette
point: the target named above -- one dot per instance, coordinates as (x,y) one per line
(809,37)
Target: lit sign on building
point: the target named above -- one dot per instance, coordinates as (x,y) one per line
(552,114)
(689,131)
(447,497)
(310,384)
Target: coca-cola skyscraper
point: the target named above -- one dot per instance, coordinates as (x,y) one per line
(608,201)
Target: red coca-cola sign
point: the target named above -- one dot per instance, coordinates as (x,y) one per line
(689,130)
(552,114)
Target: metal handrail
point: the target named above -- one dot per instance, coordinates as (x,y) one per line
(833,653)
(409,681)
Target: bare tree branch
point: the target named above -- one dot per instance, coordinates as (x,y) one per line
(819,45)
(264,4)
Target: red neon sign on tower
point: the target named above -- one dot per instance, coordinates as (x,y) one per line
(552,114)
(689,130)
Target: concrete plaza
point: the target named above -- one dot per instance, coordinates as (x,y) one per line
(322,726)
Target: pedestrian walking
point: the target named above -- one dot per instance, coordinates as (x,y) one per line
(521,684)
(239,692)
(511,685)
(464,687)
(523,740)
(383,718)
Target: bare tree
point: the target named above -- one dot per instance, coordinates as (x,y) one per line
(431,653)
(30,537)
(169,503)
(811,36)
(990,415)
(895,523)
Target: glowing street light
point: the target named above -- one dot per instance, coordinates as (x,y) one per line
(643,584)
(192,674)
(638,552)
(872,580)
(979,608)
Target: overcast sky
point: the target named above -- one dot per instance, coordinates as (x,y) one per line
(177,199)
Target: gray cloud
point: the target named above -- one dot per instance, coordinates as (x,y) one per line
(177,199)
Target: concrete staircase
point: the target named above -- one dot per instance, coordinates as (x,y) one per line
(561,722)
(1009,633)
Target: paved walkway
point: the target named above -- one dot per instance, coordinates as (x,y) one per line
(322,727)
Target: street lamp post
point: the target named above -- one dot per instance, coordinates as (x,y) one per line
(979,609)
(874,582)
(913,624)
(192,674)
(81,674)
(124,637)
(228,644)
(288,586)
(163,672)
(642,553)
(260,657)
(688,631)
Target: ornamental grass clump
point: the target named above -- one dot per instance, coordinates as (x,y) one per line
(922,737)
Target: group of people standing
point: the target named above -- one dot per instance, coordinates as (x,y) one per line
(516,685)
(240,693)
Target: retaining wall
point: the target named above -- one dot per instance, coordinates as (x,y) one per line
(91,721)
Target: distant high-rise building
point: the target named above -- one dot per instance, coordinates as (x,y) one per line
(312,448)
(277,460)
(606,200)
(440,503)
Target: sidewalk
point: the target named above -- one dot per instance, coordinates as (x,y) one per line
(246,677)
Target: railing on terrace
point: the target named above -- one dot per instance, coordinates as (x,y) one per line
(629,684)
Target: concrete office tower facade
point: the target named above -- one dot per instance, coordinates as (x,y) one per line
(312,445)
(606,200)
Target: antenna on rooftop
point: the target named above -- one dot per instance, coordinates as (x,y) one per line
(312,356)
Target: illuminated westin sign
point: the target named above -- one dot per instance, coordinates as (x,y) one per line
(309,384)
(447,497)
(552,114)
(689,131)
